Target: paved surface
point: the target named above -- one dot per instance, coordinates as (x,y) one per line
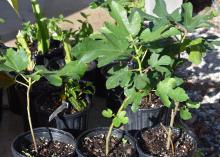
(51,8)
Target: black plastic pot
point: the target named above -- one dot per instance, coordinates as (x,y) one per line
(142,153)
(25,139)
(144,118)
(76,123)
(96,131)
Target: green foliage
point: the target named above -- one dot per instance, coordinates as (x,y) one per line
(119,78)
(42,30)
(107,113)
(118,119)
(14,61)
(75,94)
(168,89)
(160,64)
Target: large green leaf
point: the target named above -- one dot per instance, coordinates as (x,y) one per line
(131,24)
(135,23)
(14,61)
(160,8)
(167,89)
(119,78)
(162,32)
(104,51)
(74,69)
(160,63)
(187,13)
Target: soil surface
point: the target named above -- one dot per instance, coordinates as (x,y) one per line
(153,141)
(50,103)
(95,147)
(153,103)
(47,148)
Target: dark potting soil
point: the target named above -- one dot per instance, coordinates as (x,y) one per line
(50,103)
(95,147)
(154,142)
(48,148)
(150,103)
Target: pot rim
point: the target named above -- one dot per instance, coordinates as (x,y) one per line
(104,129)
(189,132)
(38,130)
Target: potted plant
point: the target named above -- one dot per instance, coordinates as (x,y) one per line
(128,39)
(50,46)
(108,141)
(68,106)
(169,141)
(21,63)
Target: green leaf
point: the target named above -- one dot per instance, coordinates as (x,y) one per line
(116,122)
(193,105)
(107,113)
(105,52)
(140,81)
(14,61)
(162,32)
(195,56)
(54,79)
(185,114)
(120,15)
(159,63)
(168,89)
(160,8)
(74,69)
(121,78)
(178,95)
(134,98)
(187,13)
(135,23)
(14,5)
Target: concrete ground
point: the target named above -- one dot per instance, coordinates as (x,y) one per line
(51,8)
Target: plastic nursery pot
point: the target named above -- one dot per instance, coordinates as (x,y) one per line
(25,139)
(144,118)
(74,123)
(145,153)
(103,130)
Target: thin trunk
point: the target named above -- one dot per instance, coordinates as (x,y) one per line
(173,115)
(29,114)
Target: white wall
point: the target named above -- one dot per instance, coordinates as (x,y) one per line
(171,5)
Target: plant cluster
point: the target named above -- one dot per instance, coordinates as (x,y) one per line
(154,45)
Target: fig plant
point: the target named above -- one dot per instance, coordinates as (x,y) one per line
(153,45)
(20,64)
(175,97)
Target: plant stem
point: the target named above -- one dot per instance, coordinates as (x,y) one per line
(173,115)
(111,128)
(29,114)
(108,139)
